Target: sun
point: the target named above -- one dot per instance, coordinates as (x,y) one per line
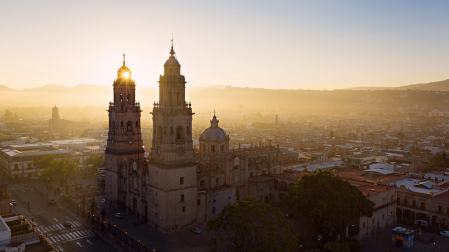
(125,75)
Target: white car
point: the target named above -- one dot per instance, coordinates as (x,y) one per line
(13,202)
(118,215)
(421,223)
(444,233)
(196,230)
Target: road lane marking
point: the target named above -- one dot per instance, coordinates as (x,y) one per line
(79,244)
(90,242)
(55,219)
(60,248)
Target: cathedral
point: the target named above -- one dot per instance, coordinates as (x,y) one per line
(179,186)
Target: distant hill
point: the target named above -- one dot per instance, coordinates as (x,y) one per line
(4,88)
(435,86)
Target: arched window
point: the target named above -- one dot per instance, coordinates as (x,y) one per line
(169,96)
(178,96)
(179,133)
(128,98)
(129,126)
(159,132)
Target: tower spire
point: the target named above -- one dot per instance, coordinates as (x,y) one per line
(123,59)
(172,52)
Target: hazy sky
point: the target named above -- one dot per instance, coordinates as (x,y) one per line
(271,44)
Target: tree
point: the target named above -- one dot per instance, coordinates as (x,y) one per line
(59,168)
(95,159)
(400,135)
(336,247)
(329,202)
(43,162)
(354,244)
(249,225)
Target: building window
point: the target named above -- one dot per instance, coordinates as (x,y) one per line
(183,209)
(212,148)
(181,180)
(440,209)
(204,147)
(202,183)
(383,216)
(423,205)
(213,210)
(413,203)
(222,148)
(178,96)
(217,181)
(364,224)
(182,197)
(391,197)
(250,174)
(169,96)
(198,202)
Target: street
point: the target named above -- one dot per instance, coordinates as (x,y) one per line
(49,221)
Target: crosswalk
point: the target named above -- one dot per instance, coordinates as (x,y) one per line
(16,186)
(52,228)
(70,236)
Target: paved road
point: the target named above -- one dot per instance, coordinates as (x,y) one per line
(49,222)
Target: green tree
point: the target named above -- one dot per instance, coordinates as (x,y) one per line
(336,247)
(96,160)
(43,162)
(354,244)
(60,169)
(248,225)
(329,202)
(400,135)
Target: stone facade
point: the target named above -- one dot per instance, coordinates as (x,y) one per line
(177,187)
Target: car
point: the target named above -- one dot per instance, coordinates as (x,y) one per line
(196,230)
(34,177)
(67,224)
(118,215)
(51,202)
(444,233)
(422,223)
(13,202)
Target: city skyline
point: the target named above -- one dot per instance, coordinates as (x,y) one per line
(319,45)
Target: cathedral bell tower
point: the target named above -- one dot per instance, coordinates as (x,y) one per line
(124,152)
(172,190)
(172,118)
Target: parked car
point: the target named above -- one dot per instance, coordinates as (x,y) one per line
(196,230)
(13,202)
(422,223)
(118,215)
(444,233)
(67,224)
(51,202)
(34,177)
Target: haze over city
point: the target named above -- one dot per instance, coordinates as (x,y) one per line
(287,44)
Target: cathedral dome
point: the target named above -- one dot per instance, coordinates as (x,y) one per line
(214,133)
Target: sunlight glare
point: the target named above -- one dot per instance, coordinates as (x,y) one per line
(126,75)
